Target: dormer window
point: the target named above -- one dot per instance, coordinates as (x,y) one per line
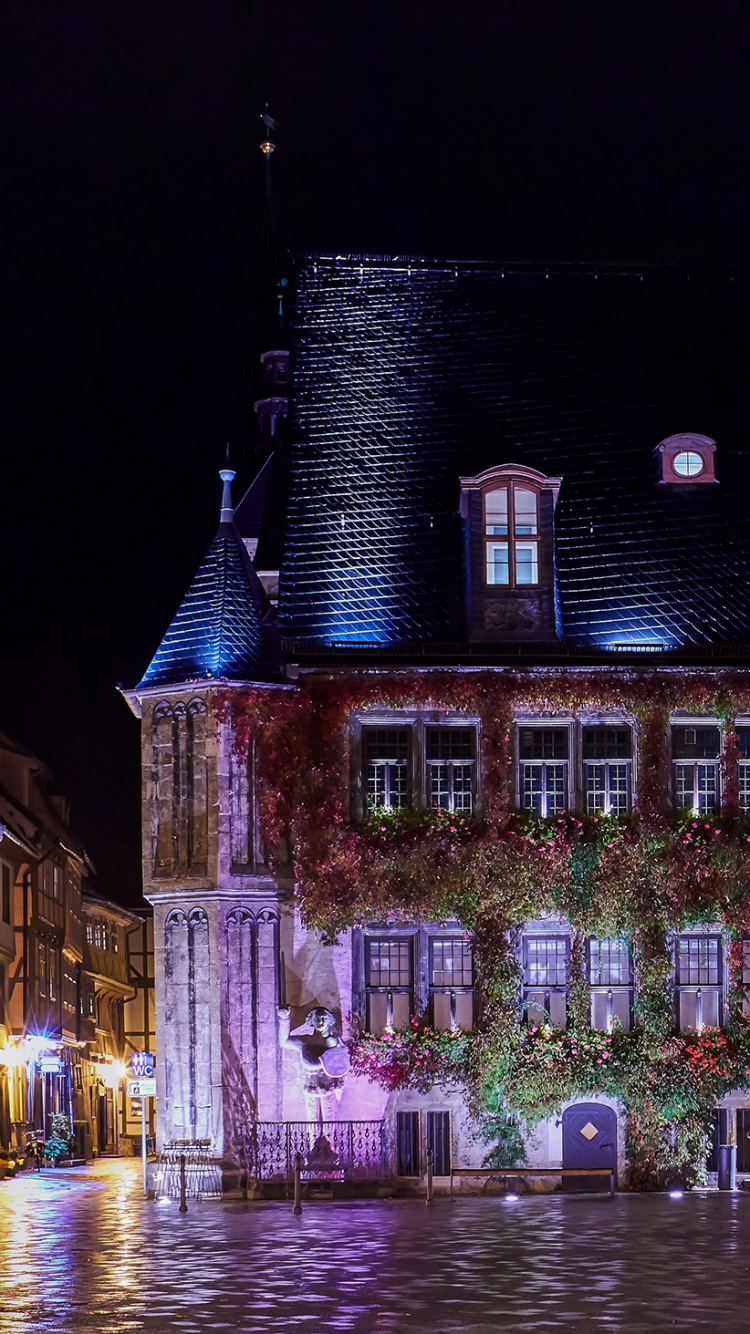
(512,512)
(509,516)
(687,458)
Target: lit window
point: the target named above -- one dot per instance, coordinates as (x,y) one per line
(496,513)
(525,511)
(515,562)
(606,770)
(695,755)
(498,563)
(452,983)
(389,981)
(55,882)
(698,981)
(543,769)
(611,981)
(387,766)
(687,463)
(545,968)
(527,564)
(450,768)
(42,968)
(52,973)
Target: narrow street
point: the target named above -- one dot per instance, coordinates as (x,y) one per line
(82,1251)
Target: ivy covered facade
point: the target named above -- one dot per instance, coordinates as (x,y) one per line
(450,736)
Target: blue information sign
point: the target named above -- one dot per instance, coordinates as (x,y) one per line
(142,1065)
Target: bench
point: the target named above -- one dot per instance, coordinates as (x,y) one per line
(536,1172)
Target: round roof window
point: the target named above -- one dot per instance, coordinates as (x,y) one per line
(687,463)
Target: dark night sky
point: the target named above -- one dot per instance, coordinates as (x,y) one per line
(129,242)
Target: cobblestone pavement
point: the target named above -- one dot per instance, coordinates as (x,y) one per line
(83,1251)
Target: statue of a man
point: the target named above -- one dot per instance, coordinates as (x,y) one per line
(324,1056)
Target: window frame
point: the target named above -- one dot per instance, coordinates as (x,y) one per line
(689,454)
(542,765)
(513,538)
(444,989)
(609,988)
(388,763)
(451,765)
(547,989)
(388,989)
(698,988)
(608,763)
(683,765)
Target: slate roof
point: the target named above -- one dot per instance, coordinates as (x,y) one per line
(261,513)
(220,629)
(408,374)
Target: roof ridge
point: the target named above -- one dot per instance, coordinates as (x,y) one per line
(526,265)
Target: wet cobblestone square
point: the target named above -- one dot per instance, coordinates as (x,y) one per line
(84,1252)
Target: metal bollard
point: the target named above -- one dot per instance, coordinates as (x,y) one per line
(429,1177)
(183,1185)
(297,1184)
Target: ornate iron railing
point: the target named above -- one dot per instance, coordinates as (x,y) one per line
(330,1150)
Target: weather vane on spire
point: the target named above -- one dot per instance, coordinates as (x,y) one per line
(268,146)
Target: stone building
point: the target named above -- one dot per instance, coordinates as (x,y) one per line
(487,596)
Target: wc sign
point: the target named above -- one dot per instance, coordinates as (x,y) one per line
(142,1065)
(143,1086)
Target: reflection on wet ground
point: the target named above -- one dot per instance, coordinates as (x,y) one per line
(84,1252)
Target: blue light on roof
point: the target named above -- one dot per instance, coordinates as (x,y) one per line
(640,641)
(216,631)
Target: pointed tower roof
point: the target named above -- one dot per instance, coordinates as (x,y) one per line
(223,628)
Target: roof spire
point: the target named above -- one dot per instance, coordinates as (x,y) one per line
(267,146)
(227,475)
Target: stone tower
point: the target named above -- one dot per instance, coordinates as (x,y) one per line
(216,906)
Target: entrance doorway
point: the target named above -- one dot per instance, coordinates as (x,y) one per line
(102,1122)
(743,1139)
(589,1140)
